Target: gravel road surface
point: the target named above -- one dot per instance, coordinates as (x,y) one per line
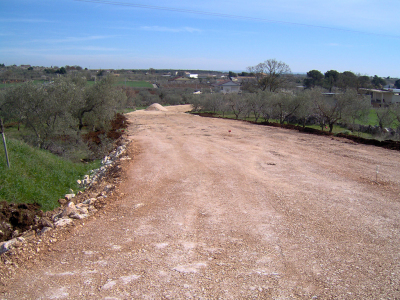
(223,209)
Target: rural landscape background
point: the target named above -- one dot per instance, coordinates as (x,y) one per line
(69,115)
(72,74)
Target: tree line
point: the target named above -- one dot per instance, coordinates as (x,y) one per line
(60,115)
(333,79)
(269,96)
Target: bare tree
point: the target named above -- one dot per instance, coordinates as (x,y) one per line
(271,74)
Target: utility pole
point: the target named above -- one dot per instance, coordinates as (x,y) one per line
(4,141)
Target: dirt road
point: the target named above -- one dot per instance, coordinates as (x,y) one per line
(254,213)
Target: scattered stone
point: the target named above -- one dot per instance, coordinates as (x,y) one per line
(109,188)
(46,222)
(62,222)
(6,246)
(69,197)
(44,230)
(40,223)
(78,216)
(90,201)
(69,210)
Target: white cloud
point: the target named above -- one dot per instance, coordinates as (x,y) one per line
(24,20)
(73,39)
(169,29)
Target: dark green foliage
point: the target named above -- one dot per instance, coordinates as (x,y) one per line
(314,78)
(61,70)
(330,79)
(232,74)
(378,82)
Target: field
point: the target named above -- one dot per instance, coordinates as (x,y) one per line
(132,84)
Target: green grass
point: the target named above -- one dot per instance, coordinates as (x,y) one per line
(135,84)
(37,176)
(5,85)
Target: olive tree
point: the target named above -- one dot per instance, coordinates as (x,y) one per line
(236,104)
(98,105)
(358,106)
(306,108)
(44,110)
(284,106)
(386,117)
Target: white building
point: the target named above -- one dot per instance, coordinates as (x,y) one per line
(229,87)
(382,97)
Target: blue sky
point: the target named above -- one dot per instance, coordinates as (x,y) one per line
(345,35)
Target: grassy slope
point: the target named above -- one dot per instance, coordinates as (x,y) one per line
(37,175)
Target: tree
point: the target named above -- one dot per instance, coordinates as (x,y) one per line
(331,109)
(236,104)
(364,82)
(232,74)
(357,106)
(44,110)
(61,70)
(385,117)
(306,109)
(397,84)
(378,82)
(98,104)
(271,75)
(314,78)
(347,80)
(284,106)
(255,104)
(331,78)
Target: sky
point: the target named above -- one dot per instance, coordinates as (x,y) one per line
(361,36)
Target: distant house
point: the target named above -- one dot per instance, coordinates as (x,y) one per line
(192,75)
(228,87)
(25,66)
(382,97)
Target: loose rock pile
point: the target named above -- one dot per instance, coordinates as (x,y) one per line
(73,207)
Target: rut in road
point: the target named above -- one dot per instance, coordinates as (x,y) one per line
(221,209)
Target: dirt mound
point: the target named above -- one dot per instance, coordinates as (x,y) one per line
(156,107)
(17,218)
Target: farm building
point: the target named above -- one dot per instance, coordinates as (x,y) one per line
(382,97)
(228,87)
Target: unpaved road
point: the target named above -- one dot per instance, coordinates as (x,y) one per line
(255,213)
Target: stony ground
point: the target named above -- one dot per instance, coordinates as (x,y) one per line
(220,209)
